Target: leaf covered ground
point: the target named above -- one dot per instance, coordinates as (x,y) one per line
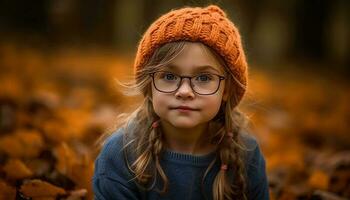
(54,106)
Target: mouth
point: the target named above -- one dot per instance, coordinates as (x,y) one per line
(184,108)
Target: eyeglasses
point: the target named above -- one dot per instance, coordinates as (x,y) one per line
(202,84)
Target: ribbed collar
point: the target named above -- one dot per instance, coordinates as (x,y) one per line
(182,158)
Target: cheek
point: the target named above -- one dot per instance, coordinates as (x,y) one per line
(213,105)
(158,102)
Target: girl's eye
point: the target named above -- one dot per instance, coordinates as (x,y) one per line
(169,76)
(204,78)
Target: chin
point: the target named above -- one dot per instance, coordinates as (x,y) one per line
(184,124)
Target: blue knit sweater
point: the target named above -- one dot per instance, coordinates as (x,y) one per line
(112,179)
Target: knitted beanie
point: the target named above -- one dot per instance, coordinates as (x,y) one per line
(208,25)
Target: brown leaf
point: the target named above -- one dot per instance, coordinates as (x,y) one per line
(55,132)
(66,159)
(77,194)
(318,179)
(38,188)
(24,143)
(16,169)
(6,191)
(82,173)
(79,169)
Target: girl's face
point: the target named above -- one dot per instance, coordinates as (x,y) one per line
(184,108)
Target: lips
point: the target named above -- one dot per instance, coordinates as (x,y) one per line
(184,108)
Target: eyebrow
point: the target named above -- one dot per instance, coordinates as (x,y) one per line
(197,69)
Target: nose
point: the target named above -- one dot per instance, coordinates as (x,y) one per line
(185,90)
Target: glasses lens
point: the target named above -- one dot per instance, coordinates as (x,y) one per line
(205,83)
(166,81)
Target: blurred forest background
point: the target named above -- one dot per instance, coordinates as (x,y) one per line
(58,64)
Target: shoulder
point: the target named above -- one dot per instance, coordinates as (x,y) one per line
(251,148)
(112,177)
(111,157)
(255,168)
(254,159)
(113,144)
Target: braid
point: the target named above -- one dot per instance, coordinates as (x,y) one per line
(149,147)
(222,186)
(239,170)
(230,152)
(142,165)
(157,149)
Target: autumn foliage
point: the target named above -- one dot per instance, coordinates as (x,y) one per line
(54,106)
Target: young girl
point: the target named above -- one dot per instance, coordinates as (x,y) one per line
(187,140)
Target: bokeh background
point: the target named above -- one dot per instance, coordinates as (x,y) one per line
(59,61)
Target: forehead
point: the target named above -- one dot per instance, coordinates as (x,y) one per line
(196,57)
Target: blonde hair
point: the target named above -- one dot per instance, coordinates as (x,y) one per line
(148,142)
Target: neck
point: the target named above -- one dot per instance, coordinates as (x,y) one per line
(193,140)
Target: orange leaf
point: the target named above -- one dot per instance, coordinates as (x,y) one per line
(37,188)
(16,169)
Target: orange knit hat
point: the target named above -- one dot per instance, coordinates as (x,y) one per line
(209,26)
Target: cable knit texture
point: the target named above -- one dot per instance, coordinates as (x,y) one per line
(209,25)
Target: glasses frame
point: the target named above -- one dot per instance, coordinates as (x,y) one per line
(190,79)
